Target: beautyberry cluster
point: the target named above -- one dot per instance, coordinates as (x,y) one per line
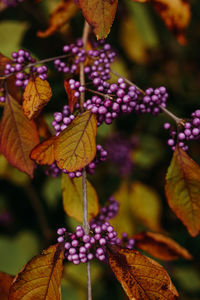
(12,3)
(2,93)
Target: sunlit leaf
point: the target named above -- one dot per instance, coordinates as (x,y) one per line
(99,14)
(5,284)
(18,136)
(75,147)
(70,93)
(141,277)
(65,10)
(36,95)
(41,278)
(160,246)
(43,153)
(72,198)
(182,189)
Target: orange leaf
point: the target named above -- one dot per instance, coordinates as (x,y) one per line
(141,277)
(65,10)
(43,153)
(5,284)
(18,136)
(70,93)
(182,189)
(99,14)
(41,278)
(160,246)
(72,198)
(36,95)
(75,147)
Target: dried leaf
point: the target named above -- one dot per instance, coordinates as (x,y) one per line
(160,246)
(5,284)
(41,278)
(65,10)
(43,154)
(18,136)
(36,95)
(99,14)
(182,189)
(141,277)
(75,147)
(70,93)
(72,198)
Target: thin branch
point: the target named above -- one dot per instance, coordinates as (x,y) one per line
(171,115)
(99,93)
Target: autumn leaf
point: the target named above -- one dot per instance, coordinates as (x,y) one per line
(70,93)
(65,10)
(182,189)
(99,14)
(72,198)
(42,127)
(36,95)
(43,153)
(41,278)
(75,147)
(5,284)
(160,246)
(141,277)
(18,136)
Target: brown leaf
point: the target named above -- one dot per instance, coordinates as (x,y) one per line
(141,277)
(65,10)
(75,147)
(18,136)
(70,93)
(3,61)
(182,189)
(40,279)
(36,95)
(99,14)
(43,154)
(5,284)
(160,246)
(43,128)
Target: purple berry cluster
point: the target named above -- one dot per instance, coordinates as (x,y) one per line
(190,131)
(12,3)
(81,247)
(2,94)
(62,119)
(21,60)
(127,242)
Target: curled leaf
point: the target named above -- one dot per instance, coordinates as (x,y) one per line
(70,93)
(43,154)
(5,284)
(41,278)
(141,277)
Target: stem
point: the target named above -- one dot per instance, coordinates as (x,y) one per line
(170,114)
(99,93)
(86,225)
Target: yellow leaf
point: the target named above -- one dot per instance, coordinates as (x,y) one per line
(75,147)
(40,279)
(182,189)
(36,95)
(72,198)
(141,277)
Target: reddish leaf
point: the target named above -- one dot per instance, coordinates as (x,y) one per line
(18,136)
(141,277)
(70,93)
(3,61)
(160,246)
(99,14)
(43,153)
(182,189)
(65,10)
(5,284)
(75,147)
(36,95)
(41,278)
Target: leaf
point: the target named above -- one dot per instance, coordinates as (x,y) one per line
(72,198)
(42,126)
(70,93)
(41,278)
(36,95)
(5,283)
(182,189)
(75,147)
(99,14)
(65,10)
(141,277)
(43,153)
(18,136)
(160,246)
